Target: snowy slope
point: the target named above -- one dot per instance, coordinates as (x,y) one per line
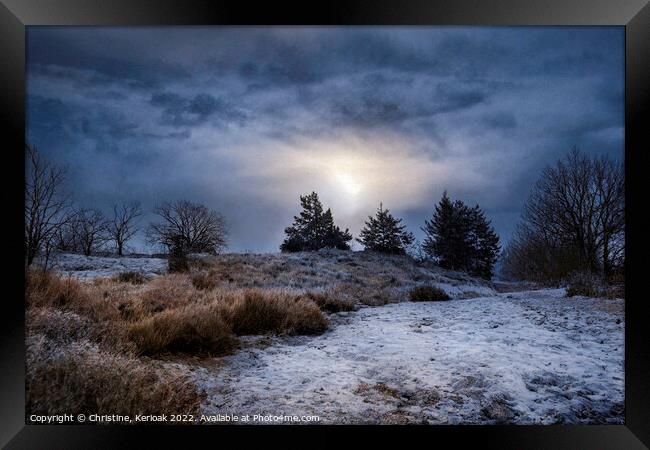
(527,358)
(394,275)
(90,267)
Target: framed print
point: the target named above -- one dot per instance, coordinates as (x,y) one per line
(389,219)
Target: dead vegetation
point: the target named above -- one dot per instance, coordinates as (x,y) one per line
(189,328)
(590,285)
(94,346)
(258,311)
(88,343)
(131,277)
(336,279)
(428,294)
(104,383)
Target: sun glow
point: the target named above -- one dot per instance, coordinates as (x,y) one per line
(352,174)
(348,183)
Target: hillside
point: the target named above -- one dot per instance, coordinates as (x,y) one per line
(364,277)
(329,336)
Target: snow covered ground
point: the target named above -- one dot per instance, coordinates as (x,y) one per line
(523,356)
(531,357)
(90,267)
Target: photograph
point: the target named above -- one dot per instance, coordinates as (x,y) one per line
(325,225)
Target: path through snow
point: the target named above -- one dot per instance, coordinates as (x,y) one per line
(526,357)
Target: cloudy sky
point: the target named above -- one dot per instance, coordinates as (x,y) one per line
(245,119)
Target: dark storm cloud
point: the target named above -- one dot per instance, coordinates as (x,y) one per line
(179,111)
(500,120)
(376,108)
(245,118)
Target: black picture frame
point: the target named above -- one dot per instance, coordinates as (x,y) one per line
(634,15)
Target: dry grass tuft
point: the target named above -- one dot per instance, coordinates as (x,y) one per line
(205,281)
(428,294)
(47,289)
(208,324)
(330,302)
(162,293)
(104,383)
(87,338)
(131,277)
(57,325)
(256,311)
(188,328)
(50,290)
(361,294)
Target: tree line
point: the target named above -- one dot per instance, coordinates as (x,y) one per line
(458,237)
(54,223)
(573,221)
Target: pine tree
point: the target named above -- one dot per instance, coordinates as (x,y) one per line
(461,238)
(314,229)
(384,233)
(485,248)
(333,237)
(438,242)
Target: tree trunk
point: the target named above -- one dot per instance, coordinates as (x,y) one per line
(606,268)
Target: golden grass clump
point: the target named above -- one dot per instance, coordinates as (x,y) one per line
(205,281)
(209,323)
(104,383)
(131,277)
(91,338)
(196,327)
(330,302)
(162,293)
(45,289)
(257,311)
(427,293)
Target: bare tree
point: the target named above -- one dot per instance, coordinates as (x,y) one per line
(90,230)
(65,238)
(46,204)
(574,220)
(122,226)
(610,214)
(188,227)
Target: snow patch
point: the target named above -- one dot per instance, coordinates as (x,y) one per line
(91,267)
(527,358)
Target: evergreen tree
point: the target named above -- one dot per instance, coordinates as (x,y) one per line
(438,242)
(461,238)
(333,237)
(314,229)
(484,244)
(384,233)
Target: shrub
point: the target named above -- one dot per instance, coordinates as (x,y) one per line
(585,284)
(615,291)
(177,264)
(428,294)
(329,302)
(104,383)
(255,311)
(188,328)
(131,277)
